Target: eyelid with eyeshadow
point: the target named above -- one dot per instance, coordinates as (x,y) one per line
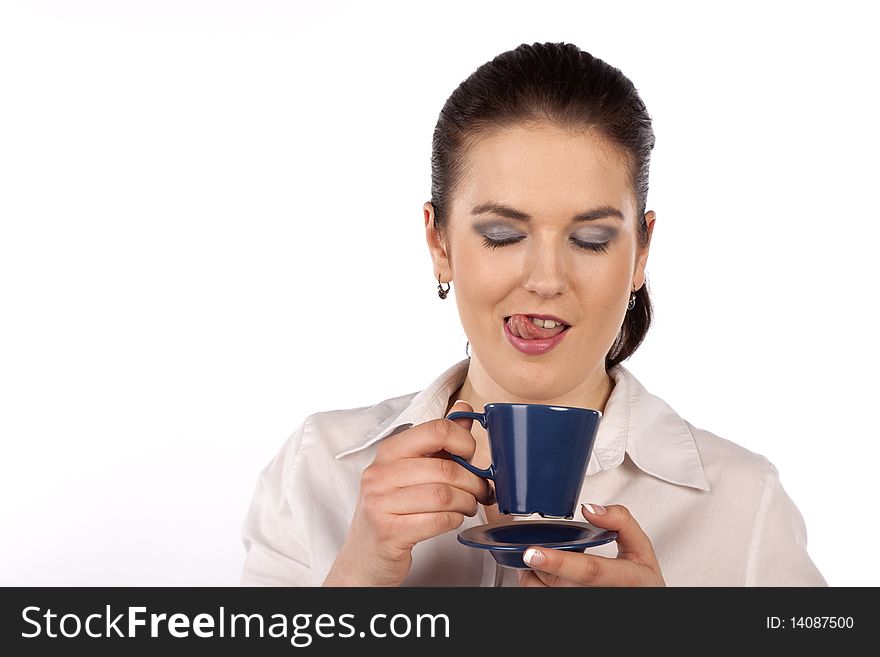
(501,234)
(502,231)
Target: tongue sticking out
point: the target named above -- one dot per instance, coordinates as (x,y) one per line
(523,327)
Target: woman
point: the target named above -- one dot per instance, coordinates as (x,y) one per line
(539,185)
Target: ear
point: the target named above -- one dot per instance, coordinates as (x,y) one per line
(642,253)
(438,249)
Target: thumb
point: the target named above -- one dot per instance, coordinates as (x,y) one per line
(462,405)
(632,542)
(466,423)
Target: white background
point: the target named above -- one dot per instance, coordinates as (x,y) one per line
(211,226)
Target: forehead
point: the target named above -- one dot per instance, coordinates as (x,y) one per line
(546,170)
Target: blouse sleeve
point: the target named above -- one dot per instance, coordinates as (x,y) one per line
(778,552)
(275,556)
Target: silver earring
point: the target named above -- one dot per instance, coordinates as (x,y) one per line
(440,291)
(467,347)
(632,301)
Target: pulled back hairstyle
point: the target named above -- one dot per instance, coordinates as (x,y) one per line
(561,84)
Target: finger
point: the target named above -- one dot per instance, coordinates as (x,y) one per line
(421,470)
(428,438)
(632,542)
(528,578)
(563,568)
(417,527)
(429,498)
(463,422)
(466,423)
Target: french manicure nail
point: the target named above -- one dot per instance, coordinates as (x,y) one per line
(595,509)
(533,558)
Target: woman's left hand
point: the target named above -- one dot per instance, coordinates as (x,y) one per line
(635,564)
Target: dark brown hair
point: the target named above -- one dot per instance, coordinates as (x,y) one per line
(561,84)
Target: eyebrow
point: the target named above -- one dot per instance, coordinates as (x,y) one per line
(511,213)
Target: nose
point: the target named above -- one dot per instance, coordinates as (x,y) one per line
(546,270)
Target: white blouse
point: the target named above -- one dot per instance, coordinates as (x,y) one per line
(715,512)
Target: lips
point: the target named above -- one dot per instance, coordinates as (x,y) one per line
(532,346)
(523,327)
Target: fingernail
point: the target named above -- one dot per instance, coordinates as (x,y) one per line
(533,558)
(595,509)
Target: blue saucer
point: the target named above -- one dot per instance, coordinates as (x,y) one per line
(508,541)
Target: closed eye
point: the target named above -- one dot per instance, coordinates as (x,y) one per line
(494,244)
(597,247)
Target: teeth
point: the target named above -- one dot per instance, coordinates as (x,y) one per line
(545,323)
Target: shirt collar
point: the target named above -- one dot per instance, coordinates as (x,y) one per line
(635,422)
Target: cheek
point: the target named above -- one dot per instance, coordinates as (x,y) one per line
(480,278)
(605,280)
(603,290)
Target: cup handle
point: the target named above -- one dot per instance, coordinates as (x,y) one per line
(488,473)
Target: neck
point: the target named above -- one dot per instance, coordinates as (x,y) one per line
(478,389)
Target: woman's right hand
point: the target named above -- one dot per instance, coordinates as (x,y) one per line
(410,492)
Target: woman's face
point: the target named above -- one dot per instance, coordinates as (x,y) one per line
(579,271)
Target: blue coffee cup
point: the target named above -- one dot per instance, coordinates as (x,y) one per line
(539,455)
